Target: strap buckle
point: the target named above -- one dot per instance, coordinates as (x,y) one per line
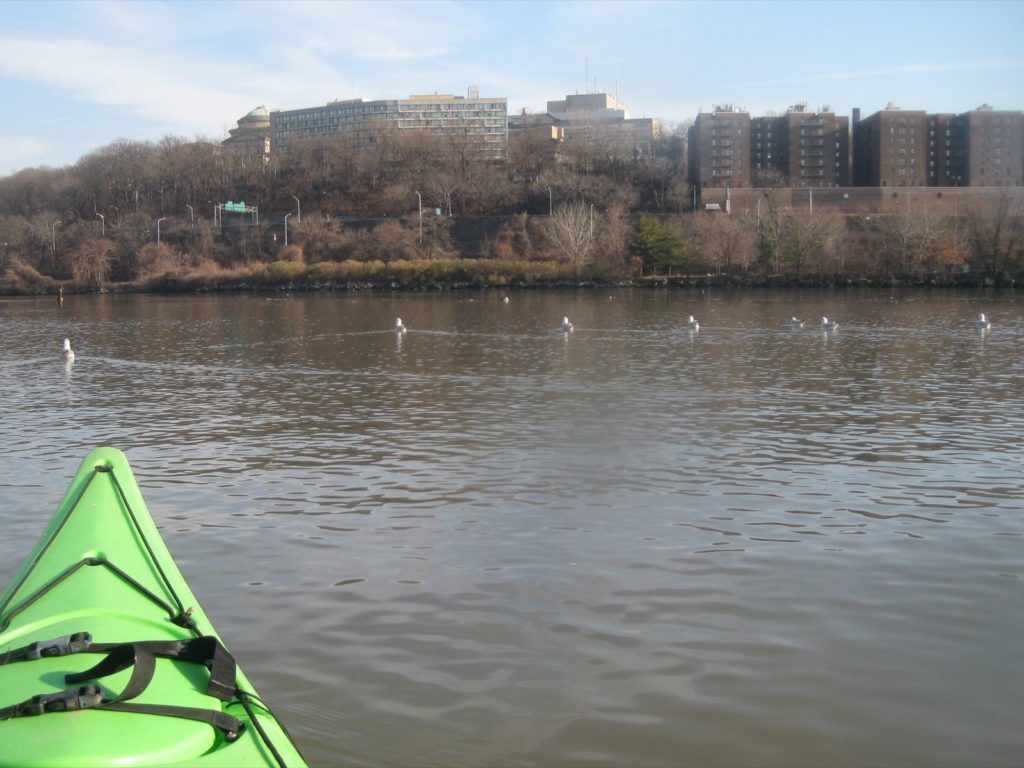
(63,701)
(59,646)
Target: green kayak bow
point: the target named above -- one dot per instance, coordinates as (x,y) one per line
(106,657)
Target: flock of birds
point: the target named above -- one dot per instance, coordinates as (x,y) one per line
(691,322)
(827,325)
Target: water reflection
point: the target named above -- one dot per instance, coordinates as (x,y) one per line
(492,542)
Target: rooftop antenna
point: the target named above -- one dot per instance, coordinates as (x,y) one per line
(586,77)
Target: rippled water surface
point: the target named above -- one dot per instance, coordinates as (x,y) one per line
(489,543)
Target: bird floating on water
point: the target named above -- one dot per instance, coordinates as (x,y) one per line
(69,353)
(566,325)
(828,325)
(794,323)
(983,322)
(505,300)
(399,327)
(692,323)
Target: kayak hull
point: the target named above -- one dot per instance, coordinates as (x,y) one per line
(101,567)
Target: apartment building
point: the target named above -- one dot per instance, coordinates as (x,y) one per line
(890,149)
(719,146)
(899,148)
(800,149)
(991,148)
(483,122)
(767,134)
(945,153)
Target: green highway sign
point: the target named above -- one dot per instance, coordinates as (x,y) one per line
(234,207)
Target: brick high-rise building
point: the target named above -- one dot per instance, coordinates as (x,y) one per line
(720,148)
(991,148)
(767,137)
(980,148)
(890,149)
(942,149)
(800,149)
(816,148)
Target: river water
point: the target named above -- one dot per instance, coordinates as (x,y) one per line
(488,543)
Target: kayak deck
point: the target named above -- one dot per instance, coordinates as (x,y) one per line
(102,568)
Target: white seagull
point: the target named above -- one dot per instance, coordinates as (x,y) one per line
(399,328)
(794,323)
(505,300)
(983,322)
(692,323)
(828,325)
(566,325)
(69,353)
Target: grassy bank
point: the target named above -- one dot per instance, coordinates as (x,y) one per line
(439,274)
(352,275)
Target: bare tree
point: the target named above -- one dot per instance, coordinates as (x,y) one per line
(441,188)
(996,237)
(571,232)
(908,241)
(725,244)
(90,263)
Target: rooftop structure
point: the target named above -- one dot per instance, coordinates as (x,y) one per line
(250,141)
(589,123)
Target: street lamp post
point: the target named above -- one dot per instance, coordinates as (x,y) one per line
(551,208)
(286,229)
(158,229)
(117,212)
(419,199)
(192,215)
(53,237)
(298,209)
(103,224)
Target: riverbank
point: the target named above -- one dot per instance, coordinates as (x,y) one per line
(449,274)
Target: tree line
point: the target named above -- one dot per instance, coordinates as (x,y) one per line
(587,205)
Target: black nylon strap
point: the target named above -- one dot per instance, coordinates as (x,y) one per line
(206,650)
(230,725)
(142,662)
(141,657)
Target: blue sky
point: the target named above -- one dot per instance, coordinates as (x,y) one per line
(76,76)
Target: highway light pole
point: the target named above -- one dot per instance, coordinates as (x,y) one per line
(286,229)
(103,224)
(53,237)
(298,209)
(158,229)
(192,215)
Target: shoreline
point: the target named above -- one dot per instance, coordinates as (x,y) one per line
(451,275)
(186,287)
